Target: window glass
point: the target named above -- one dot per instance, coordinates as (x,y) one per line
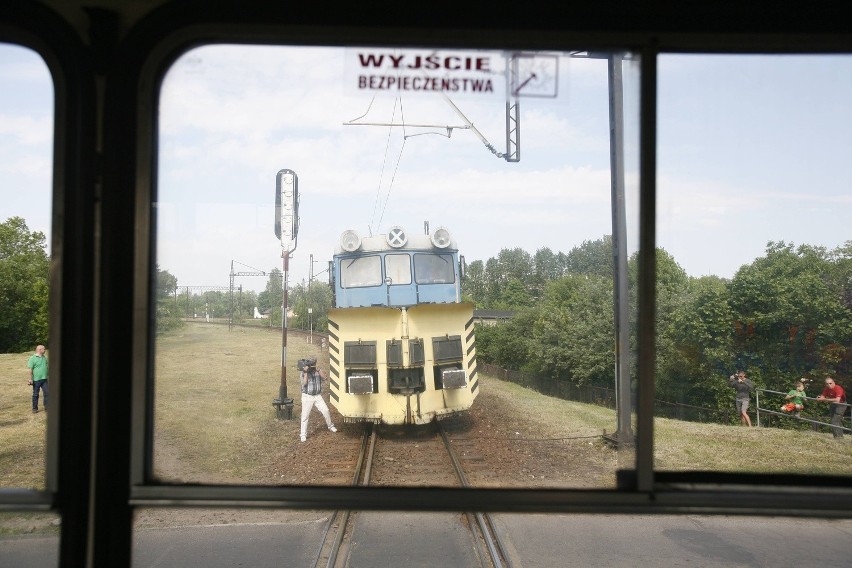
(26,153)
(754,262)
(383,141)
(360,272)
(433,269)
(398,268)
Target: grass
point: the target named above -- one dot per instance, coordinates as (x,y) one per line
(213,413)
(579,419)
(22,445)
(696,446)
(22,433)
(691,446)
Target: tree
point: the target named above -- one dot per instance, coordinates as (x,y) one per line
(313,296)
(272,297)
(575,331)
(790,320)
(493,284)
(168,307)
(474,286)
(591,257)
(516,295)
(166,283)
(507,344)
(510,264)
(244,303)
(545,268)
(24,287)
(840,281)
(699,346)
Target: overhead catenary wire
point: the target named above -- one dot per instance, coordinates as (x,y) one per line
(397,102)
(384,162)
(366,112)
(468,125)
(396,167)
(252,267)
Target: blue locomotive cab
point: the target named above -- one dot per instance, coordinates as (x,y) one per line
(396,270)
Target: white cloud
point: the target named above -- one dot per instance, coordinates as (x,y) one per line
(26,130)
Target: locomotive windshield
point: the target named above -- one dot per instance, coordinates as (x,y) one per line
(360,272)
(433,269)
(367,270)
(372,272)
(398,268)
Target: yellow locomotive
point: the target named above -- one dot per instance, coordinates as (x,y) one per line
(401,341)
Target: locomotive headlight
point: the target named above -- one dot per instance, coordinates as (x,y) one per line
(441,237)
(350,241)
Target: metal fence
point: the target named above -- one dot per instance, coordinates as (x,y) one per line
(815,413)
(764,415)
(603,396)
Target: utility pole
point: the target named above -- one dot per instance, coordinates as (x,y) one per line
(624,437)
(624,433)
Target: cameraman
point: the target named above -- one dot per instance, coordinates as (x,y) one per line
(311,380)
(743,386)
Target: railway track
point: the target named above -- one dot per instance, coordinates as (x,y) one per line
(384,460)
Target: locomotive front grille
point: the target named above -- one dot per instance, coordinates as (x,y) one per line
(454,379)
(360,384)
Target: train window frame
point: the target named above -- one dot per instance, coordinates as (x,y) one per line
(634,486)
(72,270)
(105,61)
(28,496)
(639,488)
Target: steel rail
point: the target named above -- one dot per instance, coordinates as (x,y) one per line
(342,516)
(487,528)
(478,522)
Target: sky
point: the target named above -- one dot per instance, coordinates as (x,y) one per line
(751,149)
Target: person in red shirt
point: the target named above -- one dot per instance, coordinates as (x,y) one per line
(835,394)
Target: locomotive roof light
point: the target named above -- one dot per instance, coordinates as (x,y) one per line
(396,237)
(350,241)
(441,237)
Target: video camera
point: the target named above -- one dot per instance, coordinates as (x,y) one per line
(306,364)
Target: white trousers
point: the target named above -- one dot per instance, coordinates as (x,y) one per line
(308,402)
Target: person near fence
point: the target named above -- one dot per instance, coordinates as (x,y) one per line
(311,380)
(743,386)
(795,399)
(836,396)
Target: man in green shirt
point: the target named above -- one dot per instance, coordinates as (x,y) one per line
(38,375)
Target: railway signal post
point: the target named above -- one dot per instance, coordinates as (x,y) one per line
(286,229)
